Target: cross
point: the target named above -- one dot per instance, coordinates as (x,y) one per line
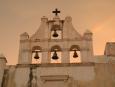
(56,11)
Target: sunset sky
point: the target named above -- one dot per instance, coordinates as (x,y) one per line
(18,16)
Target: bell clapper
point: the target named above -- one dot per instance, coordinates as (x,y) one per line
(55,34)
(55,55)
(36,55)
(75,55)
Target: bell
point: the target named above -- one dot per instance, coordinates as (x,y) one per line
(55,55)
(55,34)
(75,55)
(36,55)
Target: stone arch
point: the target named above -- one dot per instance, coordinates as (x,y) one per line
(75,47)
(36,54)
(56,49)
(36,48)
(75,54)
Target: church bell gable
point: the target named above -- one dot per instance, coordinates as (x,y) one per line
(59,35)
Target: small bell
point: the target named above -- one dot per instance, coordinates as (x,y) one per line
(55,34)
(36,55)
(75,55)
(55,55)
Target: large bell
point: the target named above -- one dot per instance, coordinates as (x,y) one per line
(55,55)
(36,55)
(55,34)
(75,55)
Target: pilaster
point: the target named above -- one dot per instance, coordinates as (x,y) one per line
(3,62)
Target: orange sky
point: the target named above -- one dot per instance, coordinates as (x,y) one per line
(18,16)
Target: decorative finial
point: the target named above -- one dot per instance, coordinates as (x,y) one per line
(56,12)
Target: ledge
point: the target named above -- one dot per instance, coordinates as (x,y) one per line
(56,65)
(3,58)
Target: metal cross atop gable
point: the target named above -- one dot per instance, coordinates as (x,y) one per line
(56,11)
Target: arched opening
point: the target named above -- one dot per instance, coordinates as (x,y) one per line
(56,32)
(36,54)
(56,54)
(75,56)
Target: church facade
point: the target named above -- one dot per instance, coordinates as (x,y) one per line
(56,55)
